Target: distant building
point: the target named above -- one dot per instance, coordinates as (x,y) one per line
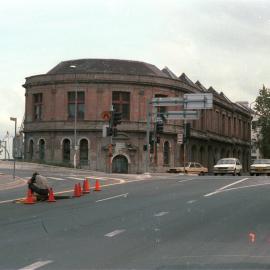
(49,122)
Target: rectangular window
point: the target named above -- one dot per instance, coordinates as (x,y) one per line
(37,98)
(121,103)
(72,105)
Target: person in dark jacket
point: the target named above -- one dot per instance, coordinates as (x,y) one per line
(39,185)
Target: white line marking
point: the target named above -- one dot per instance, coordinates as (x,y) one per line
(35,265)
(56,178)
(160,214)
(192,201)
(185,180)
(75,178)
(114,233)
(71,190)
(223,188)
(110,198)
(249,186)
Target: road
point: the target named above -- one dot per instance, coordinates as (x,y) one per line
(145,222)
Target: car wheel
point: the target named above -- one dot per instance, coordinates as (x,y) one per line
(201,173)
(251,174)
(240,173)
(234,173)
(215,174)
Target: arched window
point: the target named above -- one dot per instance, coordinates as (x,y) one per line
(166,153)
(83,152)
(66,150)
(31,149)
(42,150)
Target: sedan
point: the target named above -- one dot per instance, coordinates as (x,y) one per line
(260,166)
(190,167)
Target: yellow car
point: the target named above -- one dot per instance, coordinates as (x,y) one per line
(190,167)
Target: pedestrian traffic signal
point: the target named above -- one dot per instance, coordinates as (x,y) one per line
(117,118)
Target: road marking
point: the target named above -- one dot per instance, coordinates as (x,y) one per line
(56,178)
(249,186)
(75,178)
(72,190)
(223,188)
(192,201)
(35,265)
(114,233)
(110,198)
(185,180)
(160,214)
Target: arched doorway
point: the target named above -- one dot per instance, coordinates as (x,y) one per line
(120,164)
(31,149)
(84,152)
(66,151)
(166,153)
(41,150)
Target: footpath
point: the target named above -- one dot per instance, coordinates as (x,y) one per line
(7,181)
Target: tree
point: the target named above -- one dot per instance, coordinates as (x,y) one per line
(262,108)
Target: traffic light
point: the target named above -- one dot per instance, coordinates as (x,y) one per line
(159,127)
(109,131)
(187,130)
(115,132)
(117,118)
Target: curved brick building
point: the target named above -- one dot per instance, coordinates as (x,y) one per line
(50,115)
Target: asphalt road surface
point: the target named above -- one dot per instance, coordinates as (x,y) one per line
(144,222)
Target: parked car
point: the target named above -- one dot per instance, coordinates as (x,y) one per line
(228,165)
(260,166)
(190,167)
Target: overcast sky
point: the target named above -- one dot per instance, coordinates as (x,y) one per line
(221,43)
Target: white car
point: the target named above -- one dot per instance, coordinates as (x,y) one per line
(228,165)
(260,166)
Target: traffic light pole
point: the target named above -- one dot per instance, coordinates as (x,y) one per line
(147,136)
(111,141)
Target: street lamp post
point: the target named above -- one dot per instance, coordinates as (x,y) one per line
(75,121)
(15,132)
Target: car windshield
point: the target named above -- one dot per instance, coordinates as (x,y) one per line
(261,161)
(226,161)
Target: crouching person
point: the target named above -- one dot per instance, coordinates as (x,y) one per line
(39,185)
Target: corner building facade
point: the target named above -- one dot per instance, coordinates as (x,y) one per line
(51,110)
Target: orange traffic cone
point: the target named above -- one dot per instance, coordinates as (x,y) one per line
(97,186)
(51,196)
(76,191)
(80,189)
(86,186)
(29,199)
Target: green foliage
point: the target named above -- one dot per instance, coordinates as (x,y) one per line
(262,108)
